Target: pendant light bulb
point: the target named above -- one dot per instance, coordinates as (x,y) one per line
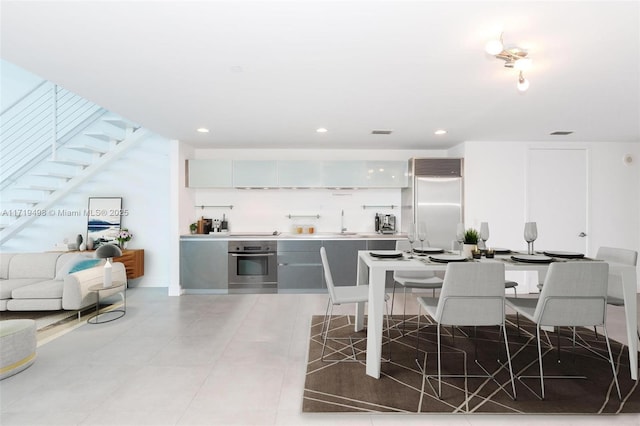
(523,83)
(493,47)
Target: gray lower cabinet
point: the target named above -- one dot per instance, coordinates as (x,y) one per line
(343,259)
(300,266)
(203,265)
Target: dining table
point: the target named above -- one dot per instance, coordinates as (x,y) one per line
(372,270)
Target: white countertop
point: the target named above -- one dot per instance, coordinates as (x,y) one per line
(291,236)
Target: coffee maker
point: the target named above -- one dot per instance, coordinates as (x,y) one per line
(385,223)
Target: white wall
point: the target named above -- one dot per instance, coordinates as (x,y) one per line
(141,178)
(15,83)
(495,192)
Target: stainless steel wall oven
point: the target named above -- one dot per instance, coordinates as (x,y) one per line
(253,267)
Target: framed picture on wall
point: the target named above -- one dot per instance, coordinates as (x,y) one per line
(103,220)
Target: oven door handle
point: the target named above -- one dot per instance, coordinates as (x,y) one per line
(251,254)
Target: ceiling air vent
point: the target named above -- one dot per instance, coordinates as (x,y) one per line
(381,132)
(561,133)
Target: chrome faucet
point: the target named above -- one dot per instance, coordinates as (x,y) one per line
(342,228)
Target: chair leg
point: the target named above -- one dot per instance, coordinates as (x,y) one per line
(326,333)
(613,367)
(506,346)
(540,360)
(439,366)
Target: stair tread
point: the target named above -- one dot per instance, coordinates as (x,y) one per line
(101,136)
(55,175)
(88,148)
(39,188)
(72,162)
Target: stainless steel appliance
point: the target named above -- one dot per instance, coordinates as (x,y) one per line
(253,267)
(385,223)
(434,197)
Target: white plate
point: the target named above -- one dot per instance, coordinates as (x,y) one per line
(428,250)
(532,258)
(386,254)
(564,254)
(447,258)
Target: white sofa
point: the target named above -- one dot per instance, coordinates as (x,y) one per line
(46,281)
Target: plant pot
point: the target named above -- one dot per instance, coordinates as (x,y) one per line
(467,250)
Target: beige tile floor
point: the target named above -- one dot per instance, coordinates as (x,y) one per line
(203,360)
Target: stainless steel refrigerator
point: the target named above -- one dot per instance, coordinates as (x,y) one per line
(434,198)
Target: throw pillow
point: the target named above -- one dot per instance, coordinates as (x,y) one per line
(85,264)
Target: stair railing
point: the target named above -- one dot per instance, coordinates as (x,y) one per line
(38,124)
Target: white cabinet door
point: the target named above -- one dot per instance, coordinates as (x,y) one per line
(209,173)
(344,174)
(386,174)
(255,174)
(299,174)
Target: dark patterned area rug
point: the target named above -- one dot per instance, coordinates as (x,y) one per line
(344,386)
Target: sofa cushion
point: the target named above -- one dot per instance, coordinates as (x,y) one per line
(49,289)
(34,305)
(8,286)
(4,265)
(33,265)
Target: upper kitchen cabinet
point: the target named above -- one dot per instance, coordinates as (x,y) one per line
(209,174)
(365,174)
(386,174)
(344,174)
(299,174)
(255,174)
(296,174)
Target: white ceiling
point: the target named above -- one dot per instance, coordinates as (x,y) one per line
(267,74)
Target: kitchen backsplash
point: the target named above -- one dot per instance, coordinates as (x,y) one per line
(256,210)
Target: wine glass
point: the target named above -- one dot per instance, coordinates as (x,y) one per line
(460,236)
(422,234)
(411,236)
(530,235)
(484,233)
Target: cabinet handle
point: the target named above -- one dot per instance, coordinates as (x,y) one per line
(251,254)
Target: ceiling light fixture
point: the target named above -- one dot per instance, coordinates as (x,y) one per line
(202,130)
(513,57)
(321,130)
(440,132)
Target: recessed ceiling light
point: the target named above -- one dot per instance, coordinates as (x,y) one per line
(203,130)
(321,130)
(440,132)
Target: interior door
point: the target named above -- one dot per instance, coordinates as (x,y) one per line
(557,198)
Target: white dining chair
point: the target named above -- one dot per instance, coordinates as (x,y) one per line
(615,295)
(574,294)
(340,295)
(472,295)
(423,280)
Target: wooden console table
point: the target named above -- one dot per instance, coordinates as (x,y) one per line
(133,260)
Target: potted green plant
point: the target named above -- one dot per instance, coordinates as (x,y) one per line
(471,237)
(193,227)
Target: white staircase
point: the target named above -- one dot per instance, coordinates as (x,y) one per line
(34,190)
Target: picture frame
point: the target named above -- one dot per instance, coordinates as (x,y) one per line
(104,218)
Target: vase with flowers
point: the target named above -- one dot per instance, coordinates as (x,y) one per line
(124,236)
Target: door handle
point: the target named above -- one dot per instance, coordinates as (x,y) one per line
(582,235)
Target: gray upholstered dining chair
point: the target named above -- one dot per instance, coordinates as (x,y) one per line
(424,280)
(340,295)
(574,294)
(472,295)
(615,295)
